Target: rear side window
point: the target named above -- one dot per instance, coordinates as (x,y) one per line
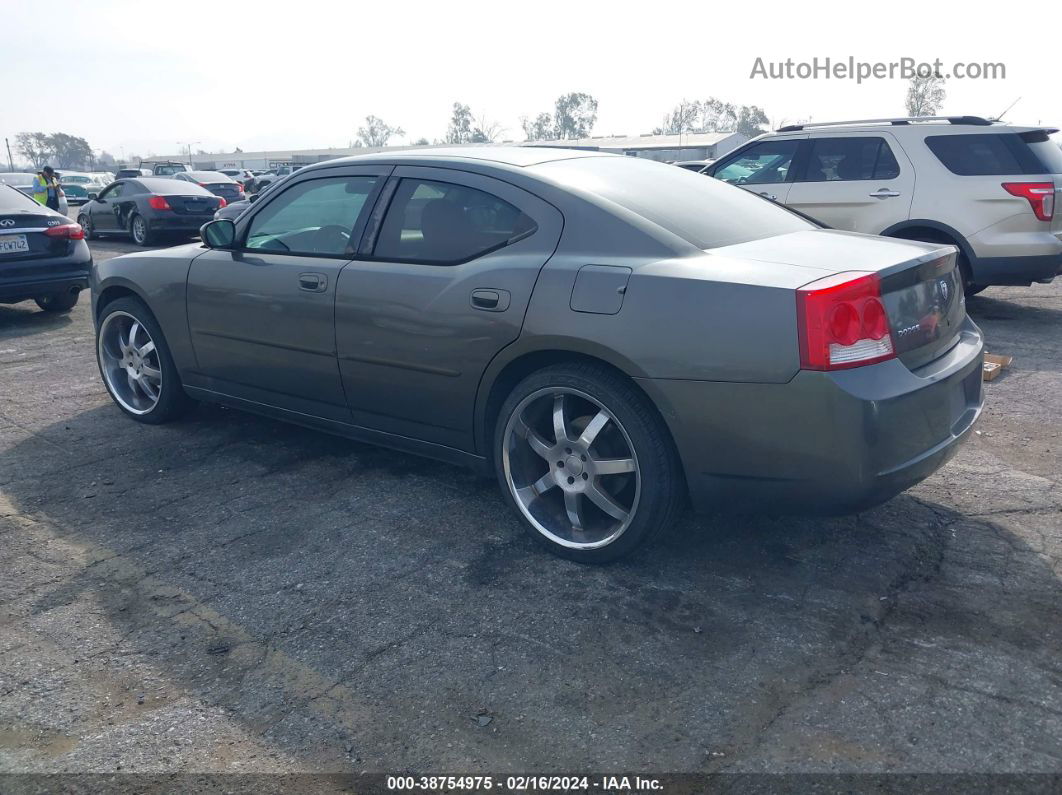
(442,223)
(313,217)
(846,159)
(12,199)
(993,154)
(704,212)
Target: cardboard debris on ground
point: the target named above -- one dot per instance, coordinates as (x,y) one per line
(994,365)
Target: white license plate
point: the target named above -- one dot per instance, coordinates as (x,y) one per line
(13,244)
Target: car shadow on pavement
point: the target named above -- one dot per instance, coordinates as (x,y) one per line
(332,606)
(22,319)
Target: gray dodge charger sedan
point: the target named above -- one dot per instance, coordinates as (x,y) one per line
(610,336)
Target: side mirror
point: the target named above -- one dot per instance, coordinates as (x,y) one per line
(253,197)
(218,234)
(93,197)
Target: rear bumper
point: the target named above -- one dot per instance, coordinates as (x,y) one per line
(1021,271)
(824,442)
(27,287)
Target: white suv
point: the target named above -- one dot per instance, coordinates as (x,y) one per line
(986,187)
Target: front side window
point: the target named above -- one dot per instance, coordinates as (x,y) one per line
(760,164)
(443,223)
(850,158)
(113,192)
(313,217)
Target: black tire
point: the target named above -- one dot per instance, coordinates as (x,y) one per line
(148,236)
(86,224)
(58,302)
(662,486)
(173,401)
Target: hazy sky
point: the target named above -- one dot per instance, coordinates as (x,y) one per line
(141,77)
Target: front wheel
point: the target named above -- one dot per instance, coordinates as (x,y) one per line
(587,462)
(136,364)
(86,224)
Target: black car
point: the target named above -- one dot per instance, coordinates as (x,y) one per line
(214,181)
(43,254)
(147,207)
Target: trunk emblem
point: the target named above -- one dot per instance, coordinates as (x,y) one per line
(7,222)
(944,290)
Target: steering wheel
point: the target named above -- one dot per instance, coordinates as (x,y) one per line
(331,238)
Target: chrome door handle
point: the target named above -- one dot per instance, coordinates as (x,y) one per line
(770,196)
(313,282)
(885,193)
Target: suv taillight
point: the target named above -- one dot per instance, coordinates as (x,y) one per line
(841,322)
(159,203)
(1041,196)
(69,231)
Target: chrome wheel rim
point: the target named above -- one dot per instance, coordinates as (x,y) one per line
(571,468)
(130,363)
(139,229)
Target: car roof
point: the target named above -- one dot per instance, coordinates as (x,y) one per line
(505,155)
(169,187)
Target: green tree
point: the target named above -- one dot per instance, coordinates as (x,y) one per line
(70,151)
(751,121)
(925,95)
(460,129)
(377,132)
(35,147)
(539,128)
(574,115)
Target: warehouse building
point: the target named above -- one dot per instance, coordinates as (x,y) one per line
(688,146)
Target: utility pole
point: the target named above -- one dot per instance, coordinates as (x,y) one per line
(189,145)
(10,162)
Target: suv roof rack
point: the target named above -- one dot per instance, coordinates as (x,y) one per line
(975,120)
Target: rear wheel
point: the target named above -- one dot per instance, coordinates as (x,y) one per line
(136,364)
(141,230)
(58,302)
(586,462)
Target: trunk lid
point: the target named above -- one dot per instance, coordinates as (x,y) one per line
(921,286)
(22,237)
(193,205)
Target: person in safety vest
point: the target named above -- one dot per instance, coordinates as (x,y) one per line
(46,188)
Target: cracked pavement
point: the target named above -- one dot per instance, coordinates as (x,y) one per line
(232,594)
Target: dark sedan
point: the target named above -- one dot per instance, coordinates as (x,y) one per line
(608,335)
(148,207)
(214,181)
(43,254)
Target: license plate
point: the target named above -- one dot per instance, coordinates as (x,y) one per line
(13,244)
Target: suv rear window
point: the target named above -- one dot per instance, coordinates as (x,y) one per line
(707,213)
(996,154)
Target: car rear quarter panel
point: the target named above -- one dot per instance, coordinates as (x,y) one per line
(159,279)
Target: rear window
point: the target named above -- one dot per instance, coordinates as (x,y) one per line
(12,199)
(996,154)
(705,212)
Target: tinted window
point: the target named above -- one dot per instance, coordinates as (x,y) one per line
(113,192)
(313,217)
(11,199)
(704,212)
(989,154)
(760,164)
(834,159)
(440,222)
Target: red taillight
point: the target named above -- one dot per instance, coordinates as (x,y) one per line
(69,231)
(239,187)
(203,185)
(841,322)
(1041,196)
(223,202)
(159,203)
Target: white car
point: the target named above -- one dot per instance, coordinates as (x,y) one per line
(985,187)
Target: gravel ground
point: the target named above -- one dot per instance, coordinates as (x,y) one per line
(231,594)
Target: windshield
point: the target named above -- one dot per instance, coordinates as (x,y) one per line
(703,211)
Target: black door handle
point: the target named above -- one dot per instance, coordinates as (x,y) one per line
(313,282)
(491,300)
